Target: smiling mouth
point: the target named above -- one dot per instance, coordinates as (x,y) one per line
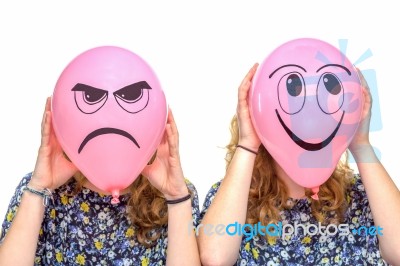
(107,130)
(306,145)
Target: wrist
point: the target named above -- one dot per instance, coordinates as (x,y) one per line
(249,145)
(252,151)
(187,197)
(180,193)
(36,185)
(46,194)
(363,153)
(359,146)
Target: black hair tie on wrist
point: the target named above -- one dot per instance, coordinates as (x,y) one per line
(247,149)
(188,196)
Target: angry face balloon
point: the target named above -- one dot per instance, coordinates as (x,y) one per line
(306,102)
(109,115)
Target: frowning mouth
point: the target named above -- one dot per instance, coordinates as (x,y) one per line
(306,145)
(106,130)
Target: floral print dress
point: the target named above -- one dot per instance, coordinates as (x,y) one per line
(303,248)
(86,229)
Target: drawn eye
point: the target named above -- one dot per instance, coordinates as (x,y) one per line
(89,99)
(291,92)
(133,98)
(129,94)
(330,93)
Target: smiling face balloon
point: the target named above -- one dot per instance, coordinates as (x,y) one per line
(306,102)
(109,115)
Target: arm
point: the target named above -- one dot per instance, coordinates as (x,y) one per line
(182,246)
(51,170)
(24,232)
(230,202)
(166,174)
(383,195)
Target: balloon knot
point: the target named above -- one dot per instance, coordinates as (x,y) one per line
(115,197)
(315,196)
(115,200)
(315,190)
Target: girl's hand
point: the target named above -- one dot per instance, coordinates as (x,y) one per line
(361,137)
(52,169)
(247,134)
(165,173)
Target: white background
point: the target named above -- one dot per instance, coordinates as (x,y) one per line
(200,52)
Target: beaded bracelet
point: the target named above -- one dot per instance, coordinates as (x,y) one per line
(46,194)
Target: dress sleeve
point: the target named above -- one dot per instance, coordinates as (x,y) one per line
(13,206)
(11,212)
(359,210)
(195,202)
(359,216)
(209,198)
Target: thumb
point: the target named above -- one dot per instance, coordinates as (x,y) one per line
(148,171)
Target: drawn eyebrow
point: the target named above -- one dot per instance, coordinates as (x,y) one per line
(84,87)
(289,65)
(137,85)
(336,65)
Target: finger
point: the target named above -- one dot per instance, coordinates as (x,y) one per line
(172,135)
(172,142)
(147,170)
(164,138)
(249,76)
(46,129)
(363,80)
(367,97)
(365,87)
(46,109)
(171,121)
(48,103)
(153,158)
(245,85)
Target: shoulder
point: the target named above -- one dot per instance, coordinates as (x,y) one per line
(356,191)
(195,201)
(193,191)
(25,180)
(19,190)
(358,203)
(214,189)
(69,188)
(190,186)
(14,205)
(210,196)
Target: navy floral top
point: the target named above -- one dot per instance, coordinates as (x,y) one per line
(345,247)
(86,229)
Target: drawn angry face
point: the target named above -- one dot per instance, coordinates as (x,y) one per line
(109,113)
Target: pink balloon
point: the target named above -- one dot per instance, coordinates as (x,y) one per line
(109,115)
(306,102)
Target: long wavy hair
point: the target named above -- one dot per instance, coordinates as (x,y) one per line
(147,208)
(268,194)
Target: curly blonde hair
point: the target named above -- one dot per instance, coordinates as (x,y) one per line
(268,194)
(147,209)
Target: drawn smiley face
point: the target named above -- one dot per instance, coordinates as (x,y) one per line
(305,104)
(329,97)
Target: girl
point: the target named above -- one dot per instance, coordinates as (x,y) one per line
(77,225)
(256,190)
